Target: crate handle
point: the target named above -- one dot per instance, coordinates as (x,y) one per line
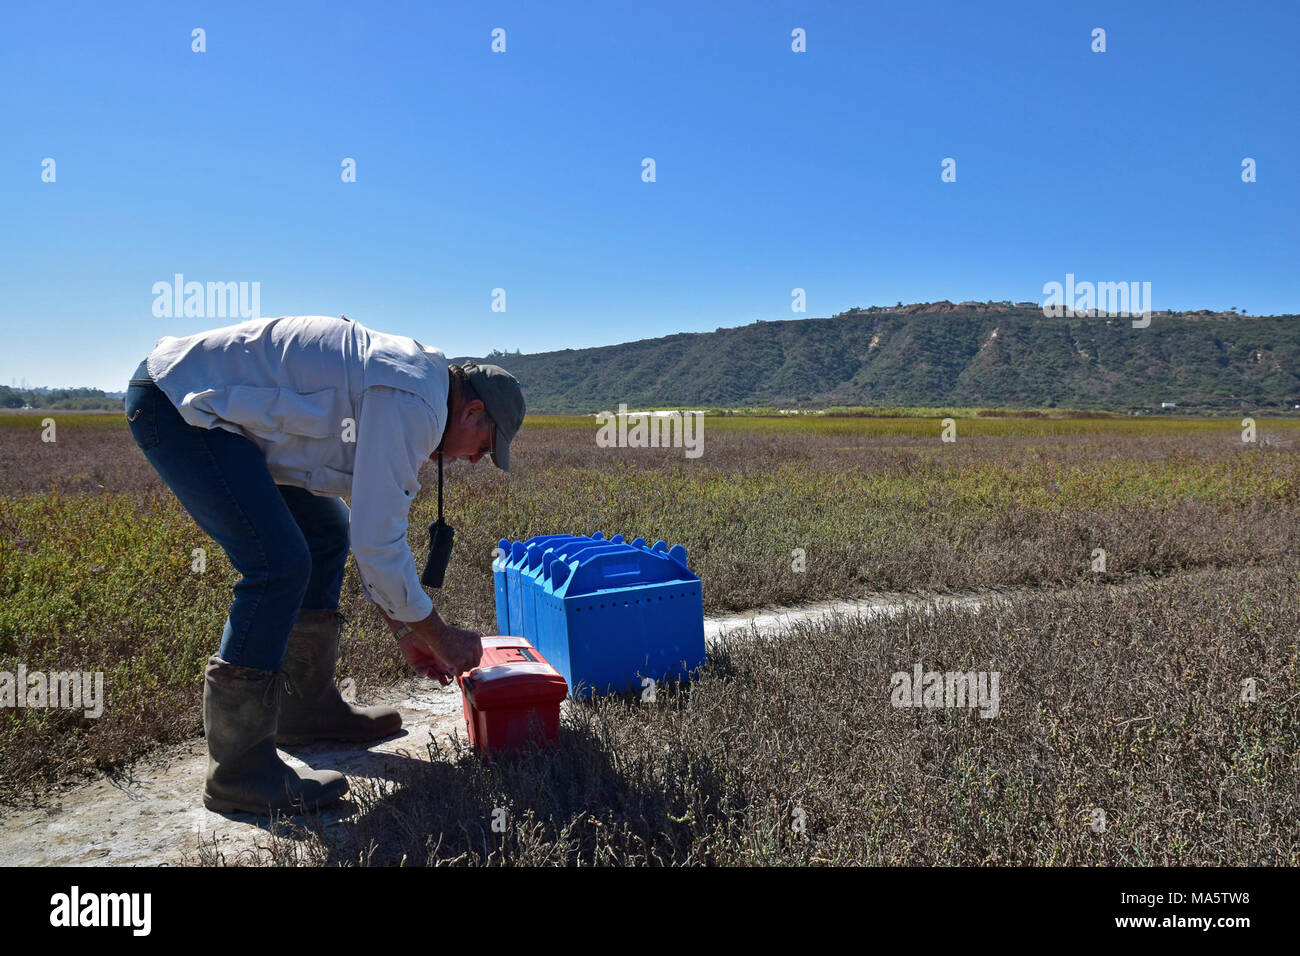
(653,568)
(562,572)
(632,571)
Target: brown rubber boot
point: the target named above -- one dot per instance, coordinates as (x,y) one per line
(240,708)
(313,708)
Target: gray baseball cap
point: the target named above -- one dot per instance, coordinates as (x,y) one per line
(504,401)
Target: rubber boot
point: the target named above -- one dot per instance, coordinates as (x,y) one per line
(241,706)
(313,708)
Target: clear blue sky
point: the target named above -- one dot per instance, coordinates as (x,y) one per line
(522,170)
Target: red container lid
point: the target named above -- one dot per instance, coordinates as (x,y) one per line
(512,674)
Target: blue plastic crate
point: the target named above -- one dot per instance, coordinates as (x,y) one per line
(534,564)
(499,586)
(514,598)
(556,560)
(612,616)
(511,568)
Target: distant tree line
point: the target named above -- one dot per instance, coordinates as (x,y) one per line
(58,398)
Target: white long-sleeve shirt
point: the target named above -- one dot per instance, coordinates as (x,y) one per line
(395,436)
(337,409)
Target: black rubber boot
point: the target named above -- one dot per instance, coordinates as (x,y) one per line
(313,708)
(241,706)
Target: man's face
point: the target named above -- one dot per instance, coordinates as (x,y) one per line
(470,433)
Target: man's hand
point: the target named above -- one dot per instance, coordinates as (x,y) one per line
(437,650)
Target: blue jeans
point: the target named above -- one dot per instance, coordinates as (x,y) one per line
(289,545)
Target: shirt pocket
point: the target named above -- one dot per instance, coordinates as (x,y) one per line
(274,413)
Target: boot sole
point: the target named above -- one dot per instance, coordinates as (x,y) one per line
(219,805)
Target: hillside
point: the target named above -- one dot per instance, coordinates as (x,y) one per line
(971,354)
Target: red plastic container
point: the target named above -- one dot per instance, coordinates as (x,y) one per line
(511,693)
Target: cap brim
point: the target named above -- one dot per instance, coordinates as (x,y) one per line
(501,451)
